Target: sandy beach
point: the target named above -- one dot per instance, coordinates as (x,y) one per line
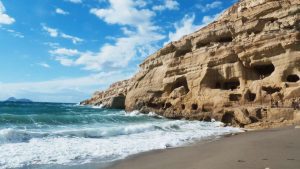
(265,149)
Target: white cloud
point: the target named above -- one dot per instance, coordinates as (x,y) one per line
(64,52)
(141,3)
(123,12)
(75,1)
(56,33)
(45,65)
(74,39)
(168,4)
(4,18)
(140,37)
(13,32)
(61,11)
(207,7)
(183,27)
(63,55)
(52,32)
(187,26)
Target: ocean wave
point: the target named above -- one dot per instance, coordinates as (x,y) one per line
(17,135)
(130,140)
(48,134)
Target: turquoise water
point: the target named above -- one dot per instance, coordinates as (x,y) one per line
(70,135)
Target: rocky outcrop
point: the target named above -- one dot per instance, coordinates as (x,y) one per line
(113,97)
(231,70)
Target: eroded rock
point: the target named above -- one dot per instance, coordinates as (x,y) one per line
(249,57)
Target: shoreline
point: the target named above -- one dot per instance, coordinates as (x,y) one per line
(268,148)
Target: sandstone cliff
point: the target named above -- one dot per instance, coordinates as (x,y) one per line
(231,70)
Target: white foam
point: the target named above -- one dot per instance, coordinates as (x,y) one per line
(98,107)
(137,113)
(118,144)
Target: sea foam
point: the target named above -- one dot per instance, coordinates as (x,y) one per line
(63,134)
(71,147)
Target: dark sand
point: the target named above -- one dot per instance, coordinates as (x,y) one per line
(266,149)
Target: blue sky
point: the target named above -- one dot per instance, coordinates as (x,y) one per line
(64,50)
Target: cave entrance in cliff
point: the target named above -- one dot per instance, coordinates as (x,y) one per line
(292,78)
(235,97)
(201,44)
(182,52)
(231,84)
(271,90)
(226,39)
(264,70)
(228,118)
(194,106)
(179,83)
(250,96)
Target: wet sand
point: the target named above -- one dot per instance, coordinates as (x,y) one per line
(266,149)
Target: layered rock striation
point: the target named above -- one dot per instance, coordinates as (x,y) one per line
(233,70)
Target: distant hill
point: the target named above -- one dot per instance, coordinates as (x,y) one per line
(23,100)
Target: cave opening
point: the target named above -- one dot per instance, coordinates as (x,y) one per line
(264,70)
(194,106)
(218,85)
(155,105)
(231,84)
(167,105)
(292,78)
(201,44)
(226,39)
(235,97)
(250,96)
(182,52)
(271,90)
(180,82)
(182,106)
(228,117)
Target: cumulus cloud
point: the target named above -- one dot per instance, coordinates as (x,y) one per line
(123,12)
(207,7)
(56,33)
(186,26)
(63,55)
(183,27)
(61,11)
(4,18)
(139,40)
(168,4)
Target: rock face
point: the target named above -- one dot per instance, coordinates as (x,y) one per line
(113,98)
(229,70)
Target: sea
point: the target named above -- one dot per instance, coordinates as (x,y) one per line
(60,135)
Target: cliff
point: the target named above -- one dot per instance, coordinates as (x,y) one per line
(231,70)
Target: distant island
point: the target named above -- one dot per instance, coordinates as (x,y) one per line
(13,99)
